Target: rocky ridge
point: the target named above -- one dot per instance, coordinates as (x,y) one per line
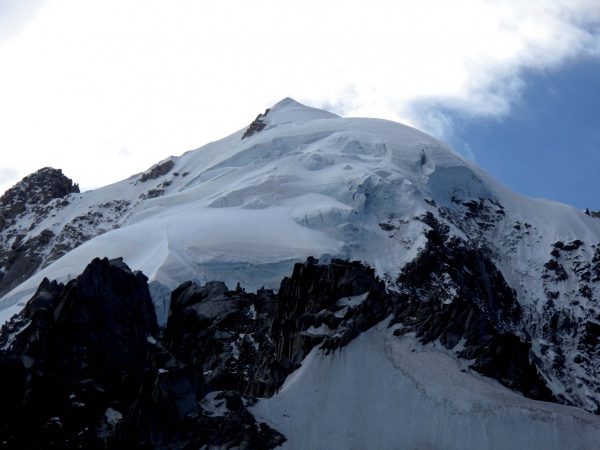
(35,196)
(560,323)
(85,364)
(33,233)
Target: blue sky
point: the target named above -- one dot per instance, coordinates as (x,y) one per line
(549,144)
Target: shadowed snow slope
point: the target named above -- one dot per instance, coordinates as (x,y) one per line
(388,393)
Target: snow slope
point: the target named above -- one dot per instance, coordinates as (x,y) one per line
(388,393)
(310,183)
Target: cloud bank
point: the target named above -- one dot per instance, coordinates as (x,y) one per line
(104,89)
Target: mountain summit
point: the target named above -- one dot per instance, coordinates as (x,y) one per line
(474,279)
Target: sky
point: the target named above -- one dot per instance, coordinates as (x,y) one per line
(104,90)
(549,145)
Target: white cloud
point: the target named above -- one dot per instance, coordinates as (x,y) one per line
(7,173)
(14,15)
(105,89)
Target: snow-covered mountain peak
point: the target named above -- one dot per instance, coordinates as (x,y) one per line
(289,110)
(302,182)
(286,112)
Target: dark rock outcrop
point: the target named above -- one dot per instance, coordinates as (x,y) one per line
(595,214)
(22,255)
(250,342)
(256,126)
(224,333)
(157,171)
(452,292)
(313,297)
(36,189)
(23,259)
(83,366)
(90,371)
(73,360)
